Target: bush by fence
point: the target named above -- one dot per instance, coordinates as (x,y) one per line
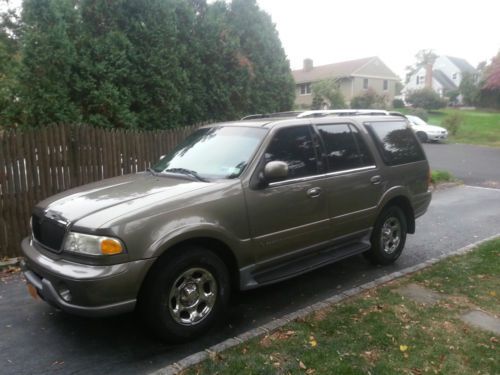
(35,164)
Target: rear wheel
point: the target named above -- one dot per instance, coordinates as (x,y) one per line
(185,295)
(388,237)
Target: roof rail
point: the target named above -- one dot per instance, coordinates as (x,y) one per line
(324,112)
(272,115)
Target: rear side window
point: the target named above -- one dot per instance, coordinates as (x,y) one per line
(345,148)
(294,146)
(396,141)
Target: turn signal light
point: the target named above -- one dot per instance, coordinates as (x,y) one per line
(110,246)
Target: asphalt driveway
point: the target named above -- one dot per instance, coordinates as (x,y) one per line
(37,339)
(474,165)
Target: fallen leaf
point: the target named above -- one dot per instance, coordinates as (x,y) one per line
(494,340)
(493,293)
(310,371)
(302,366)
(312,341)
(403,348)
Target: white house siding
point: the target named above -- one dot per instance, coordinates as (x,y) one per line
(444,64)
(412,83)
(437,87)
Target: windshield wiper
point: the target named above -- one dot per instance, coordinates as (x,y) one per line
(152,171)
(187,172)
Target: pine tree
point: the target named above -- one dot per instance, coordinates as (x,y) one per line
(48,61)
(261,53)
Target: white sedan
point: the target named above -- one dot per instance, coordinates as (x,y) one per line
(426,132)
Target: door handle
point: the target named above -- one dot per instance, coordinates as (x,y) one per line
(375,180)
(314,192)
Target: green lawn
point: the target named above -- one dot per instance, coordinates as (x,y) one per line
(381,332)
(479,127)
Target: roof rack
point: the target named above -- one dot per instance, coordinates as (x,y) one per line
(272,115)
(324,113)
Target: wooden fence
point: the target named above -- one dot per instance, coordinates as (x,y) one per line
(35,164)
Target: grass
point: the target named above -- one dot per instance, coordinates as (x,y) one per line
(381,332)
(439,176)
(479,127)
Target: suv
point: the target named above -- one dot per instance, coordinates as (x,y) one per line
(235,206)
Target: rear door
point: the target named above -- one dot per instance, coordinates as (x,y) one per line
(353,184)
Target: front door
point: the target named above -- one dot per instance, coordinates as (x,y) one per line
(290,215)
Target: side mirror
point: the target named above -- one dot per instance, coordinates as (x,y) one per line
(275,170)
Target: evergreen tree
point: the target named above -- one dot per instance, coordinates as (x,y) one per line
(271,85)
(9,69)
(145,64)
(48,61)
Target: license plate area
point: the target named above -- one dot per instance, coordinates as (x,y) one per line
(32,291)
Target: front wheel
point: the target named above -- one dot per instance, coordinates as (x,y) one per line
(388,237)
(422,137)
(185,294)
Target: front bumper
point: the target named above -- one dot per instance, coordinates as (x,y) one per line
(437,137)
(94,291)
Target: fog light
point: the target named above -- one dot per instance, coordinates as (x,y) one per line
(65,293)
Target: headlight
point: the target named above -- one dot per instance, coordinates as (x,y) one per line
(92,245)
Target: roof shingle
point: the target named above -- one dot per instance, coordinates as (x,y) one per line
(340,69)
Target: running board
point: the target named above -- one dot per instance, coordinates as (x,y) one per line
(307,263)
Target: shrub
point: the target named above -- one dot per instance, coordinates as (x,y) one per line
(327,92)
(427,99)
(438,176)
(368,100)
(398,103)
(452,122)
(420,112)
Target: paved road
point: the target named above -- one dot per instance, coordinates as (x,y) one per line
(474,165)
(36,339)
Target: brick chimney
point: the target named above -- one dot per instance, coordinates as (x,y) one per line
(428,76)
(308,65)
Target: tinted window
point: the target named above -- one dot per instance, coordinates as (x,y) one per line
(345,149)
(364,153)
(295,147)
(397,142)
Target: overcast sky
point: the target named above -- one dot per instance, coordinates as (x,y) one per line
(395,30)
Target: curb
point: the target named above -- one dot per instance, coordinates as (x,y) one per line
(274,324)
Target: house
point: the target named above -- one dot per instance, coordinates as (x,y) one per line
(444,76)
(354,77)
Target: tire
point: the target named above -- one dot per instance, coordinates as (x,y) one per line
(422,137)
(385,247)
(185,295)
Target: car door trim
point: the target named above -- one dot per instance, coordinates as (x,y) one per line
(318,176)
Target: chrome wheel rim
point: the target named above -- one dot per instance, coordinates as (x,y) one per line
(192,296)
(391,235)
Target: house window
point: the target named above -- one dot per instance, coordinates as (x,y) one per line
(418,80)
(386,85)
(365,84)
(454,76)
(305,89)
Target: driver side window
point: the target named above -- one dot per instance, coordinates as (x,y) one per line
(295,147)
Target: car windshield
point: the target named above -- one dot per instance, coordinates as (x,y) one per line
(416,120)
(216,152)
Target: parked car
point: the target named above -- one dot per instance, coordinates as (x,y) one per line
(235,206)
(426,132)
